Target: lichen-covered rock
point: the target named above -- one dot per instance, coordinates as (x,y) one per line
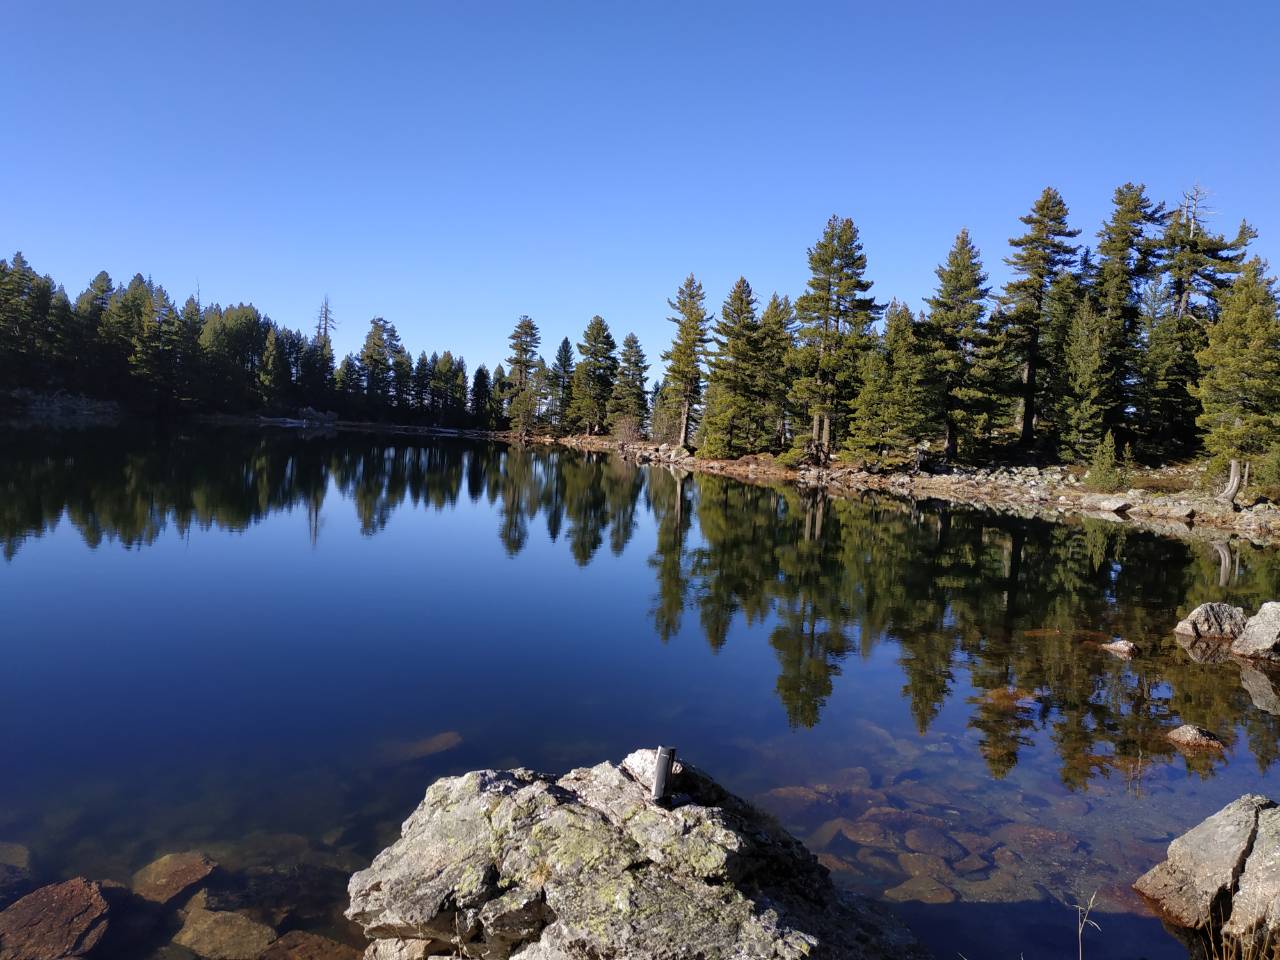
(517,864)
(1218,621)
(1261,635)
(1222,878)
(62,921)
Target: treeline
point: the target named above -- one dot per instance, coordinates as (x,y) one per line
(1161,340)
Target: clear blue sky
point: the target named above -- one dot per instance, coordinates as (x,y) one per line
(452,165)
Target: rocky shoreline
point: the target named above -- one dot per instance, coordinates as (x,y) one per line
(1052,493)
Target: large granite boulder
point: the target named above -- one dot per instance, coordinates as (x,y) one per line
(519,864)
(1217,621)
(1261,635)
(1222,878)
(62,921)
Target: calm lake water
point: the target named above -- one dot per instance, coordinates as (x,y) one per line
(267,646)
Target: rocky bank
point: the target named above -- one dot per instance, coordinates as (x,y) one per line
(1053,493)
(519,864)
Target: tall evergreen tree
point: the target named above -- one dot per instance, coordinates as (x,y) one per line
(953,335)
(522,405)
(1240,389)
(481,400)
(896,407)
(834,317)
(274,377)
(562,384)
(381,344)
(1088,344)
(593,378)
(1040,256)
(771,382)
(628,406)
(733,422)
(1128,256)
(683,378)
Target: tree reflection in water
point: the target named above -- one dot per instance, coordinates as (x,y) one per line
(1007,610)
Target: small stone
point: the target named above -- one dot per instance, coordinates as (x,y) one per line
(221,935)
(1261,635)
(300,945)
(62,921)
(1191,737)
(1219,621)
(1120,648)
(171,876)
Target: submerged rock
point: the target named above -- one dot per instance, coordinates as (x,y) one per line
(1219,621)
(518,864)
(15,872)
(62,921)
(1223,877)
(299,945)
(222,935)
(1261,635)
(164,880)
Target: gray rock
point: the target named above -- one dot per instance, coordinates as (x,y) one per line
(1120,648)
(1191,737)
(518,864)
(1261,635)
(166,879)
(1261,689)
(1255,905)
(1105,504)
(1203,865)
(1213,621)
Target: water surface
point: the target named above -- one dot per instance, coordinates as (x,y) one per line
(267,646)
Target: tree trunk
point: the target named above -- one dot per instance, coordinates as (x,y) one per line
(949,450)
(684,423)
(1224,564)
(1229,492)
(1027,435)
(817,419)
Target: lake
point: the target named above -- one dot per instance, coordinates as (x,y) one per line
(265,645)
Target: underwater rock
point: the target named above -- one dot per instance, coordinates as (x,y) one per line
(1261,635)
(62,921)
(1223,873)
(166,879)
(1192,737)
(1219,621)
(221,935)
(523,865)
(15,872)
(299,945)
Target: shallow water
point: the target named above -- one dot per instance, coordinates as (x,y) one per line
(266,647)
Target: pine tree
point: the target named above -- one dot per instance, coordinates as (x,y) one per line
(593,378)
(772,384)
(953,335)
(1128,256)
(683,378)
(628,407)
(402,381)
(733,422)
(273,377)
(423,371)
(834,317)
(1240,389)
(481,399)
(895,408)
(1086,411)
(1040,256)
(498,394)
(380,346)
(1200,264)
(562,384)
(522,404)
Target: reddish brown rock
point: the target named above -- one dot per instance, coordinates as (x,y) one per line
(173,875)
(58,922)
(923,889)
(300,945)
(1190,737)
(797,803)
(934,842)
